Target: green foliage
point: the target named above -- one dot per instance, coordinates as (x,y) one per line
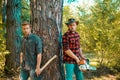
(3,51)
(101,31)
(108,46)
(2,43)
(25,10)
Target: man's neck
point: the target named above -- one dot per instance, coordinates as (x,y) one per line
(71,31)
(27,35)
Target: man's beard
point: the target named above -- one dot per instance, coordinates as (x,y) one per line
(27,34)
(72,30)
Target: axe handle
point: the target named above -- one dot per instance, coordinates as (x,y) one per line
(48,62)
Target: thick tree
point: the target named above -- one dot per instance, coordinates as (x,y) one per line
(0,4)
(46,20)
(4,11)
(13,36)
(0,11)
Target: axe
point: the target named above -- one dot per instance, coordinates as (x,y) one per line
(48,62)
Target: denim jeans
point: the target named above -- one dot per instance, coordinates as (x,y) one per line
(25,74)
(71,69)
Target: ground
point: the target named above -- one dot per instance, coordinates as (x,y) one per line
(106,77)
(99,74)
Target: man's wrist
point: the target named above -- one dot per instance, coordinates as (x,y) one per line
(21,62)
(83,58)
(76,58)
(37,67)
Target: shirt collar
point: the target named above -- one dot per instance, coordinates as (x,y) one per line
(71,31)
(28,36)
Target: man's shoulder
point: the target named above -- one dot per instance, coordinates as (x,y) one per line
(35,36)
(76,33)
(66,34)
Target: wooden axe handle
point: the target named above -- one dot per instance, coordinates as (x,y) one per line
(48,62)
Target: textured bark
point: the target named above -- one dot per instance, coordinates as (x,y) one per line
(0,8)
(0,5)
(46,20)
(13,29)
(4,11)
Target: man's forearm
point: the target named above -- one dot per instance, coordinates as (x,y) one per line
(81,54)
(71,54)
(39,56)
(21,58)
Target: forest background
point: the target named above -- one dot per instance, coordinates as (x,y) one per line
(99,28)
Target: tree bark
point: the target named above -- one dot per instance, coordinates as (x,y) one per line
(13,36)
(46,19)
(0,4)
(4,11)
(0,11)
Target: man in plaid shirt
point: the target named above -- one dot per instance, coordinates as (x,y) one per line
(71,51)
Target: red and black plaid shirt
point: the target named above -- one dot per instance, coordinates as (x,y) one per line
(71,40)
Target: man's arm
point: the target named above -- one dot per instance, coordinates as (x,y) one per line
(38,71)
(39,56)
(72,55)
(21,58)
(81,54)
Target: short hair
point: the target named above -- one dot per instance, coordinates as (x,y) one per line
(26,23)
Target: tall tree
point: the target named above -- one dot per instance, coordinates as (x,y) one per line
(4,11)
(0,4)
(25,16)
(46,20)
(0,11)
(13,37)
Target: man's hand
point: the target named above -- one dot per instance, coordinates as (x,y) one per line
(38,71)
(83,58)
(77,61)
(21,61)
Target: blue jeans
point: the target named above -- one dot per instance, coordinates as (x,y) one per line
(73,68)
(25,74)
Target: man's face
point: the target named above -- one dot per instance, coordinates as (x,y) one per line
(26,29)
(72,26)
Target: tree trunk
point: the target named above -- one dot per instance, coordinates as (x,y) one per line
(13,36)
(46,20)
(4,11)
(0,4)
(0,11)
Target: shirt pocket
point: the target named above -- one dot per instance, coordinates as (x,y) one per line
(31,45)
(72,40)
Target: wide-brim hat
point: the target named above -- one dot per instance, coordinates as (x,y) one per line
(72,20)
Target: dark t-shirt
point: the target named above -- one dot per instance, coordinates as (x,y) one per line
(31,46)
